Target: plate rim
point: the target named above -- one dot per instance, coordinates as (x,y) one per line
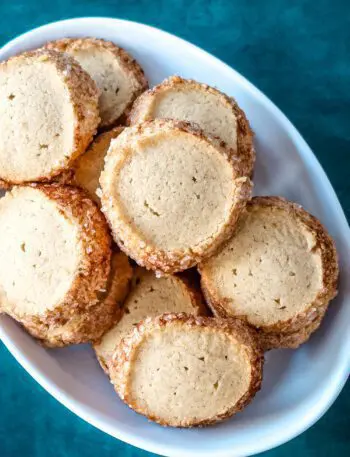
(82,410)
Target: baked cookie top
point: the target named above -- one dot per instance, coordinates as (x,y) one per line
(278,271)
(118,76)
(171,194)
(215,113)
(186,371)
(48,115)
(55,258)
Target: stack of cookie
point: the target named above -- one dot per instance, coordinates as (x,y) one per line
(117,196)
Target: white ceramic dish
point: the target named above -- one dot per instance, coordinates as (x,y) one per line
(299,386)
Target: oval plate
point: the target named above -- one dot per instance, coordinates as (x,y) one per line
(299,386)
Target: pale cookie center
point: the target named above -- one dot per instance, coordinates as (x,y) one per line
(209,111)
(38,253)
(180,375)
(36,118)
(269,271)
(176,190)
(114,84)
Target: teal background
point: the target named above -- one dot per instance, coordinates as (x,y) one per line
(297,52)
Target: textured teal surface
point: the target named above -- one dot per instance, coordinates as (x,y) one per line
(297,52)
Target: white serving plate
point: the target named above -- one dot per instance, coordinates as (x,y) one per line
(299,386)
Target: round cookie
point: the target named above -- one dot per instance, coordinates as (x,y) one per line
(185,371)
(55,261)
(98,318)
(216,114)
(87,168)
(279,272)
(149,297)
(48,115)
(171,194)
(291,340)
(118,76)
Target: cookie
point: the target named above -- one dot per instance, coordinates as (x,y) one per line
(118,76)
(216,114)
(171,194)
(55,272)
(278,272)
(185,371)
(86,170)
(48,115)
